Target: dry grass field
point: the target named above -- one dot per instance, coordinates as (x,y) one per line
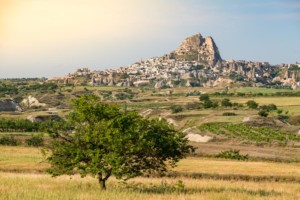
(22,177)
(41,186)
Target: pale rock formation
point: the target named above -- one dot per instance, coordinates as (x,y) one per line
(111,82)
(198,48)
(193,134)
(30,102)
(188,83)
(222,80)
(141,82)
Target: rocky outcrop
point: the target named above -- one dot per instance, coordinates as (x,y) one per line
(31,102)
(9,105)
(197,48)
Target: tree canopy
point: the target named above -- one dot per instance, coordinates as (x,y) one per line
(105,141)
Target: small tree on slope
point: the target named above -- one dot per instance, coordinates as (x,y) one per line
(104,141)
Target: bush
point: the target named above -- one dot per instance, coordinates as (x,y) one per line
(272,107)
(232,154)
(176,108)
(8,140)
(269,107)
(263,113)
(283,117)
(279,112)
(252,104)
(35,141)
(204,97)
(226,103)
(210,104)
(229,114)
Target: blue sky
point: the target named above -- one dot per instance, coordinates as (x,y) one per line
(54,37)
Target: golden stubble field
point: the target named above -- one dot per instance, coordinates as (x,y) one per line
(22,176)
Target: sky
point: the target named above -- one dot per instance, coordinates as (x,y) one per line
(47,38)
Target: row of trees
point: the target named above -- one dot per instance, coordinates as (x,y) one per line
(291,93)
(208,103)
(24,125)
(34,140)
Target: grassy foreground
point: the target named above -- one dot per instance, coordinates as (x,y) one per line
(41,186)
(22,177)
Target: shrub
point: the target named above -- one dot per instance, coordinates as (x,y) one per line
(272,107)
(263,113)
(226,103)
(269,107)
(229,114)
(35,140)
(283,117)
(204,97)
(252,104)
(232,154)
(176,108)
(210,104)
(8,140)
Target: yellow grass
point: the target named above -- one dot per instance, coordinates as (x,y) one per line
(29,159)
(26,184)
(213,166)
(41,186)
(21,159)
(279,101)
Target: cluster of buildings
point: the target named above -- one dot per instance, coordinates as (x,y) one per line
(196,62)
(160,72)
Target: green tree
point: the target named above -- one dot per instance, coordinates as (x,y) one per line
(35,140)
(176,108)
(263,113)
(268,108)
(204,97)
(105,141)
(226,103)
(210,104)
(252,104)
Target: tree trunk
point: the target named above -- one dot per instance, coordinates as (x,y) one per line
(102,180)
(102,184)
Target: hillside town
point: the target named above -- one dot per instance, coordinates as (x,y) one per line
(196,62)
